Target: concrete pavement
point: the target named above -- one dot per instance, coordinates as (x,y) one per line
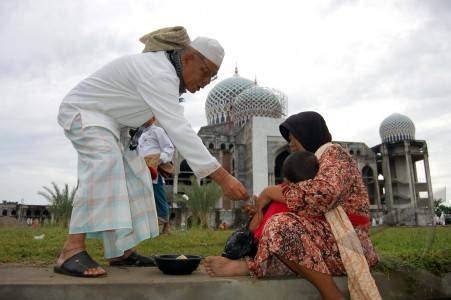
(18,282)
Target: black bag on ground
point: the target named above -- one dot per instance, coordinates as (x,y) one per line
(240,244)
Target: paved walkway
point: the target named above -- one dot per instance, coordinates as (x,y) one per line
(18,283)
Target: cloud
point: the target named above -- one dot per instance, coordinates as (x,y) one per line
(355,62)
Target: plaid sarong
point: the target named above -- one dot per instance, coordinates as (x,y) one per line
(114,200)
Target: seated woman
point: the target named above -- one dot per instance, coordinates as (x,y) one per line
(302,240)
(297,167)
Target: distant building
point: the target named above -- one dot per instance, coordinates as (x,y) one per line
(400,160)
(25,211)
(243,134)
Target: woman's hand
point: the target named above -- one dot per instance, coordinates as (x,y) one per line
(249,208)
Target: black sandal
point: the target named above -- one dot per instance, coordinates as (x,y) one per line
(76,266)
(135,260)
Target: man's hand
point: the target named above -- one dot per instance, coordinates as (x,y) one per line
(231,187)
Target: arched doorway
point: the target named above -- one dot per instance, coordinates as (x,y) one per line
(368,179)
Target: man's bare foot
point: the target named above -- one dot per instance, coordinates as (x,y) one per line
(218,266)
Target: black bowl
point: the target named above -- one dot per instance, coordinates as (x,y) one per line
(169,264)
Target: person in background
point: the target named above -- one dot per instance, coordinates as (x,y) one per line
(114,199)
(157,149)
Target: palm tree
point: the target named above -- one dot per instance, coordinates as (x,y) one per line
(61,202)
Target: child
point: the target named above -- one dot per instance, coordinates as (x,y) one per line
(157,149)
(298,166)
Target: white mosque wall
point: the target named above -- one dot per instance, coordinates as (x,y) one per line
(264,130)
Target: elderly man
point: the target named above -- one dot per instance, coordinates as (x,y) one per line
(114,200)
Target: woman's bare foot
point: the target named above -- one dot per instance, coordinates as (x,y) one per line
(75,244)
(218,266)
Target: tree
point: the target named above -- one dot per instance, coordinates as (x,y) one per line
(439,207)
(201,200)
(61,202)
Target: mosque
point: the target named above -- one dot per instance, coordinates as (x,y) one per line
(243,134)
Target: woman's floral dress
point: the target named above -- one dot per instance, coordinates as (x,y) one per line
(303,235)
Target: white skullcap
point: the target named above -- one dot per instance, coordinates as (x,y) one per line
(210,48)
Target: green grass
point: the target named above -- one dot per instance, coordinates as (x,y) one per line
(417,247)
(19,246)
(414,247)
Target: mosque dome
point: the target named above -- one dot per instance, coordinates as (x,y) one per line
(256,101)
(218,106)
(396,128)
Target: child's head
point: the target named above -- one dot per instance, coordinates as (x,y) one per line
(300,166)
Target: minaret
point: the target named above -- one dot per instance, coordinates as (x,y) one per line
(400,158)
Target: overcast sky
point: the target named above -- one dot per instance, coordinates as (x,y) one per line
(356,62)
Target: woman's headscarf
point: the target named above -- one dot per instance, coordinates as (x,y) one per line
(309,128)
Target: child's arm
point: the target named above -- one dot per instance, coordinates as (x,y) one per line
(271,193)
(251,210)
(255,221)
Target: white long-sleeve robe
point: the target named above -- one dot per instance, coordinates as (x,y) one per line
(129,91)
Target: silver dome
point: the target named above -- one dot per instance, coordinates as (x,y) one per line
(218,106)
(256,101)
(396,128)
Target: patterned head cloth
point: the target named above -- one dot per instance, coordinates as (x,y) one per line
(166,39)
(309,128)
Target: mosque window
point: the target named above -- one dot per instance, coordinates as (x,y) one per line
(185,173)
(423,194)
(368,179)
